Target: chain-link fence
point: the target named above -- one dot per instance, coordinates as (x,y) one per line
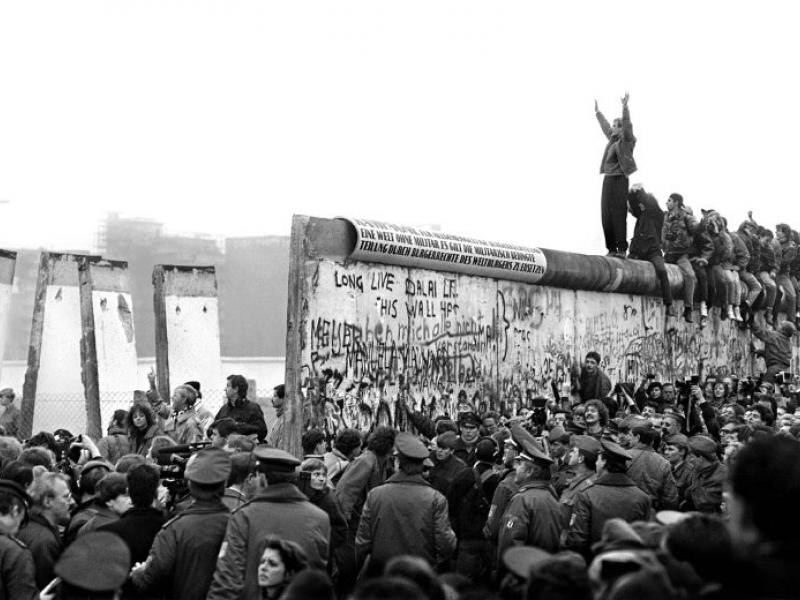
(68,410)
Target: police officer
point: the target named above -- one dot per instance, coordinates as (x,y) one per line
(582,459)
(533,517)
(277,508)
(613,494)
(17,579)
(184,553)
(94,566)
(405,515)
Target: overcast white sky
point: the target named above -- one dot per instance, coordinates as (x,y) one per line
(228,117)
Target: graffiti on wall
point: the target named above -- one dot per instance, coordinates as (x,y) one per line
(377,337)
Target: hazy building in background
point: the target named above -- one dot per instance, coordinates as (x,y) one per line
(252,280)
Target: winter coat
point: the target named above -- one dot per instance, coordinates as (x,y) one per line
(753,248)
(405,516)
(115,445)
(184,552)
(777,347)
(248,416)
(280,510)
(325,500)
(506,489)
(677,232)
(624,145)
(469,498)
(652,473)
(533,518)
(612,495)
(140,442)
(741,255)
(445,472)
(44,542)
(137,527)
(364,473)
(646,239)
(702,245)
(578,483)
(788,254)
(704,493)
(768,259)
(10,419)
(16,570)
(723,250)
(184,427)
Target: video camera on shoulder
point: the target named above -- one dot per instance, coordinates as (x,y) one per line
(171,460)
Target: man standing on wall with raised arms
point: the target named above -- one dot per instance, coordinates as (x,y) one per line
(617,165)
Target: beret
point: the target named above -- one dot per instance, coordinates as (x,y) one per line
(702,445)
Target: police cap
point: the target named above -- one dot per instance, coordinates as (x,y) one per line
(98,561)
(529,449)
(612,451)
(208,466)
(469,418)
(274,460)
(587,443)
(410,446)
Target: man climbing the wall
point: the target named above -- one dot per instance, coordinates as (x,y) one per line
(617,165)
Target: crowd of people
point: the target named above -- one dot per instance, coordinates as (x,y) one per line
(740,272)
(661,490)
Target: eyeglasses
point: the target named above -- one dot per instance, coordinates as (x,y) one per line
(724,430)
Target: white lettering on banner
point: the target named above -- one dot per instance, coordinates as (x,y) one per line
(411,247)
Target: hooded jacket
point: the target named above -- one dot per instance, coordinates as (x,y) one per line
(646,239)
(624,145)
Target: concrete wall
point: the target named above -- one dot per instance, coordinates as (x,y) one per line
(187,327)
(368,331)
(489,340)
(8,261)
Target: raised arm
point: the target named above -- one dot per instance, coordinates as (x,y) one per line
(604,124)
(627,127)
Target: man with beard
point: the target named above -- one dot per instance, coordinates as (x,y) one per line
(616,166)
(593,382)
